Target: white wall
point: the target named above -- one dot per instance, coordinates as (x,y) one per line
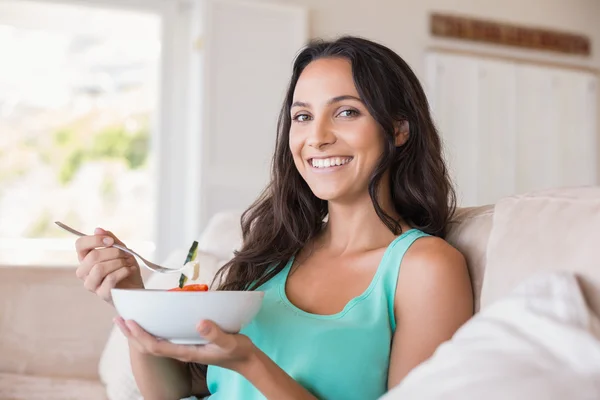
(403,25)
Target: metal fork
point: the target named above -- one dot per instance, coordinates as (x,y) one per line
(149,265)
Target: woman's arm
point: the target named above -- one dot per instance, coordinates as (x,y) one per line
(160,366)
(433,299)
(162,378)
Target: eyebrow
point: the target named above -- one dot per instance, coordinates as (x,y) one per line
(331,101)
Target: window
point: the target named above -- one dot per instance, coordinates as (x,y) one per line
(118,113)
(78,110)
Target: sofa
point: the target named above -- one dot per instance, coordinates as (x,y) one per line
(57,340)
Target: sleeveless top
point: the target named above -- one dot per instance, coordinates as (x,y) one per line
(341,356)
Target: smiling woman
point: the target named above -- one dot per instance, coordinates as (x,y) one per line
(346,244)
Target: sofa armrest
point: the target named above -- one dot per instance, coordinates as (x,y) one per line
(49,324)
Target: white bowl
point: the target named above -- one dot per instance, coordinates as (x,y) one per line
(174,315)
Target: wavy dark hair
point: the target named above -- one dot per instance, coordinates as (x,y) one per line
(287,215)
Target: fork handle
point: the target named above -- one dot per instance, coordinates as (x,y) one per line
(126,250)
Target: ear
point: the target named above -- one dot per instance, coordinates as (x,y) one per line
(401,132)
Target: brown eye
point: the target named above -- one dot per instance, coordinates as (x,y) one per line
(348,113)
(302,118)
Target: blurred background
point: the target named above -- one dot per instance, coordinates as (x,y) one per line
(147,117)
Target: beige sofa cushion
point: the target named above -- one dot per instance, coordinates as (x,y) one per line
(469,232)
(25,387)
(555,230)
(49,324)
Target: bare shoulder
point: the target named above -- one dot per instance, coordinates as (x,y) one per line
(433,255)
(433,299)
(433,270)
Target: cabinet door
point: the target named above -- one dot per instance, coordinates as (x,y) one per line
(557,128)
(575,94)
(452,87)
(511,128)
(496,128)
(473,106)
(538,149)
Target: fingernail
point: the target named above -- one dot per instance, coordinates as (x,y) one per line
(107,241)
(121,324)
(131,327)
(98,231)
(204,328)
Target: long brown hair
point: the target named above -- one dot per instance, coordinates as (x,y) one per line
(287,215)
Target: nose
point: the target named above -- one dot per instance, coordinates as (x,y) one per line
(321,134)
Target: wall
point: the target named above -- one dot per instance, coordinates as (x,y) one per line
(403,25)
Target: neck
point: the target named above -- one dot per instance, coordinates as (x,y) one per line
(356,227)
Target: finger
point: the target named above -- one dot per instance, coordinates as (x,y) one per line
(101,238)
(157,347)
(211,332)
(120,322)
(102,232)
(85,244)
(98,256)
(111,280)
(100,271)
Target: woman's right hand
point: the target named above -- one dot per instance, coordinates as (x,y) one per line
(102,267)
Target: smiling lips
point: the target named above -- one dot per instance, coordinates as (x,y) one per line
(328,163)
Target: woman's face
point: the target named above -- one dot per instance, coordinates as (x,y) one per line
(335,142)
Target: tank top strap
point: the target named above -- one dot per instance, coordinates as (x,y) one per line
(391,267)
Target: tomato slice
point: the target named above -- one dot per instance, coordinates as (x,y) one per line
(198,287)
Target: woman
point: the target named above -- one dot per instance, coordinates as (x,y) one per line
(346,242)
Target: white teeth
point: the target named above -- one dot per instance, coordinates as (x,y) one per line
(330,162)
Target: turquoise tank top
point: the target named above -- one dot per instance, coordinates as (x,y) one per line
(341,356)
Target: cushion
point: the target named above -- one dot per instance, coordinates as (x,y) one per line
(26,387)
(552,230)
(540,341)
(222,235)
(468,232)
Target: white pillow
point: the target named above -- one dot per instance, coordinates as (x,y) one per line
(222,235)
(115,368)
(539,342)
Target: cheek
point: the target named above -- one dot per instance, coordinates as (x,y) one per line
(295,145)
(366,140)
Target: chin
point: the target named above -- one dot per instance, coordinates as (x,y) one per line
(325,197)
(326,194)
(331,194)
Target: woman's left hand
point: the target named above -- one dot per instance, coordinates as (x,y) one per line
(231,351)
